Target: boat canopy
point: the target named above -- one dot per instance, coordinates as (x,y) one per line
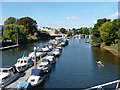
(37,72)
(45,60)
(24,58)
(22,85)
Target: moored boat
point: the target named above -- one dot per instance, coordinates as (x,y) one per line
(36,77)
(45,65)
(7,75)
(56,52)
(51,58)
(23,64)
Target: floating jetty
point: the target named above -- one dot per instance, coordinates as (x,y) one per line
(8,47)
(24,76)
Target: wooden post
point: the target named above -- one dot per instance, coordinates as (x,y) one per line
(85,38)
(35,59)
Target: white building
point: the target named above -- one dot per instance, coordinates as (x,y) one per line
(49,30)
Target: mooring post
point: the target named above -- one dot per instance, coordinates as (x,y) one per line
(35,59)
(85,38)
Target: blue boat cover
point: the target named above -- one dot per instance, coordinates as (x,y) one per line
(45,60)
(36,72)
(22,84)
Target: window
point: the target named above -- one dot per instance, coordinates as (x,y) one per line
(5,71)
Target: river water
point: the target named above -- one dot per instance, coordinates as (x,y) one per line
(75,68)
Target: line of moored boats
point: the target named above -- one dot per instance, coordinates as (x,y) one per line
(46,56)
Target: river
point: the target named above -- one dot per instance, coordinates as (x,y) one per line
(75,68)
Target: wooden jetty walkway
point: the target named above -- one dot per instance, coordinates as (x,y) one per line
(26,74)
(8,47)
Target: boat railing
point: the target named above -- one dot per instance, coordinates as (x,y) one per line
(100,87)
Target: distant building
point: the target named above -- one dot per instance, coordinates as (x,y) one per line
(49,30)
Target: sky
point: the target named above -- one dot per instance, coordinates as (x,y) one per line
(61,14)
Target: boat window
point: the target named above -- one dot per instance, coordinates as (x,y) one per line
(5,71)
(41,65)
(21,61)
(32,80)
(18,61)
(25,61)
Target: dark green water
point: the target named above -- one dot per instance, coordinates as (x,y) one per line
(75,68)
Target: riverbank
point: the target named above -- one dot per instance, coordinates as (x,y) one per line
(113,49)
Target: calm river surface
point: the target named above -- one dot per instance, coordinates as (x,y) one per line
(75,68)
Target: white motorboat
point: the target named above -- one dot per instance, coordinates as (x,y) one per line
(51,58)
(45,65)
(7,75)
(36,77)
(63,44)
(45,48)
(56,52)
(23,64)
(39,53)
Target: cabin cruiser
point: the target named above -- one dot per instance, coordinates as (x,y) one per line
(59,48)
(51,58)
(63,44)
(56,52)
(46,48)
(39,53)
(7,75)
(23,64)
(36,77)
(45,65)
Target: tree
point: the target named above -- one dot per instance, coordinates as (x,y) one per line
(14,32)
(63,30)
(95,32)
(86,31)
(10,20)
(106,33)
(69,33)
(56,32)
(81,30)
(29,23)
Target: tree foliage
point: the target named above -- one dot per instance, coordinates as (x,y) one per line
(29,23)
(14,32)
(10,20)
(106,33)
(63,30)
(56,32)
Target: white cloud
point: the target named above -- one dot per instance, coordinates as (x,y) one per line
(95,21)
(114,16)
(73,18)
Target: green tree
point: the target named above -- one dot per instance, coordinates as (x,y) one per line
(29,23)
(69,33)
(14,32)
(10,20)
(63,30)
(86,31)
(81,30)
(106,33)
(56,32)
(96,33)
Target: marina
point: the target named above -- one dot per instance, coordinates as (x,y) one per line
(64,62)
(25,76)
